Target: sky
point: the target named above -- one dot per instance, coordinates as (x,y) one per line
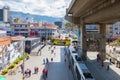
(53,8)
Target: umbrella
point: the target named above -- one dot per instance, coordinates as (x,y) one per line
(2,77)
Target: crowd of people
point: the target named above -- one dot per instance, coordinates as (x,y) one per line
(27,72)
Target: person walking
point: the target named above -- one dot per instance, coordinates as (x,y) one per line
(69,66)
(102,63)
(27,72)
(21,66)
(51,59)
(65,59)
(54,53)
(43,72)
(108,67)
(34,70)
(46,72)
(47,60)
(43,60)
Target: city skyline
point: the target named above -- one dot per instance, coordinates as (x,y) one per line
(52,8)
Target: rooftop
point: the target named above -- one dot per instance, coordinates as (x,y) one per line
(6,40)
(30,38)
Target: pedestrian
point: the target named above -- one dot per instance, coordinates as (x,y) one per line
(21,66)
(54,47)
(47,60)
(37,69)
(108,67)
(69,66)
(110,61)
(46,73)
(43,72)
(26,74)
(27,57)
(49,49)
(51,59)
(43,60)
(54,53)
(34,70)
(65,59)
(102,63)
(29,72)
(97,57)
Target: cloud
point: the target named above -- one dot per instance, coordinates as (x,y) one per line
(54,8)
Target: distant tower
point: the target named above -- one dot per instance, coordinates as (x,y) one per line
(6,14)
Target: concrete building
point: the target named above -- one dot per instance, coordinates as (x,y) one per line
(2,33)
(43,30)
(20,29)
(10,49)
(6,27)
(116,29)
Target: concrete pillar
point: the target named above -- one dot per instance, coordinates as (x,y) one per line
(102,41)
(83,41)
(79,35)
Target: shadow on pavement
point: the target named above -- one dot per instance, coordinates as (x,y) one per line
(102,73)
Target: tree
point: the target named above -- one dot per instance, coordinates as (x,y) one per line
(68,24)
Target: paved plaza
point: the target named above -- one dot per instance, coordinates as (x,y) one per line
(57,70)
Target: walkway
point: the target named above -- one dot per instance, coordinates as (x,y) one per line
(101,73)
(57,69)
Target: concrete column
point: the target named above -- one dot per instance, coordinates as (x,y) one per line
(102,41)
(79,35)
(83,41)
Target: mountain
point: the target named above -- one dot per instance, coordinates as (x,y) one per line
(36,18)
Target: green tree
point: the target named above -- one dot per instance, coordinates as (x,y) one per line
(68,24)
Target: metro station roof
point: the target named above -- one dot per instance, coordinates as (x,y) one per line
(95,11)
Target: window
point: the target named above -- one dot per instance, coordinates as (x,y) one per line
(16,29)
(116,28)
(20,25)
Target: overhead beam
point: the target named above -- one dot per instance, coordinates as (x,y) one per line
(111,13)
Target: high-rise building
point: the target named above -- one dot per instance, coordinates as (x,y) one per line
(4,14)
(1,14)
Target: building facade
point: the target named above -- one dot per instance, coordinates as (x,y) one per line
(116,29)
(20,29)
(43,30)
(10,49)
(2,33)
(6,27)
